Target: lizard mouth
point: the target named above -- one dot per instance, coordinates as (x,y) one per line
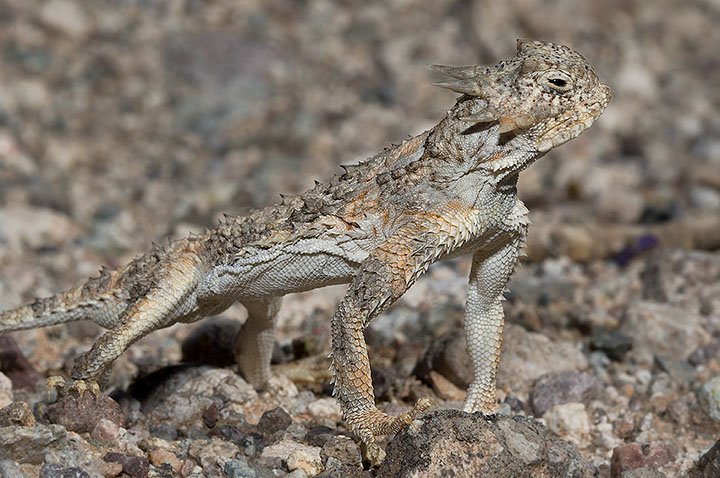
(555,138)
(571,128)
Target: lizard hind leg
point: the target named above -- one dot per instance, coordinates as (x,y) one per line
(171,296)
(381,281)
(255,340)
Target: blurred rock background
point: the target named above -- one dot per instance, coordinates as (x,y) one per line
(126,121)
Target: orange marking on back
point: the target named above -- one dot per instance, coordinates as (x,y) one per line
(409,147)
(496,156)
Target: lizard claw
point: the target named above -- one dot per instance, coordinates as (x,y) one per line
(80,386)
(372,454)
(490,417)
(420,406)
(409,418)
(56,382)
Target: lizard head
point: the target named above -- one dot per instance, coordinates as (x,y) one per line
(548,91)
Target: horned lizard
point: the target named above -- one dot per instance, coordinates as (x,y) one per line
(447,192)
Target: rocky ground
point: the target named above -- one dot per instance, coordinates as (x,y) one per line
(123,122)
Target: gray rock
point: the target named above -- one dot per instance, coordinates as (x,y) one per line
(528,355)
(525,357)
(660,329)
(708,466)
(35,227)
(343,450)
(709,398)
(679,370)
(686,279)
(454,443)
(238,469)
(563,387)
(166,432)
(9,469)
(611,341)
(50,470)
(703,354)
(644,472)
(29,444)
(66,16)
(182,398)
(276,455)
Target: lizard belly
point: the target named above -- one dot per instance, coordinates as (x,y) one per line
(485,241)
(287,268)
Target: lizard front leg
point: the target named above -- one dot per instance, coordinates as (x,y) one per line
(484,320)
(382,279)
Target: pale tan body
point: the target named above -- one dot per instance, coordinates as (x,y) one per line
(447,192)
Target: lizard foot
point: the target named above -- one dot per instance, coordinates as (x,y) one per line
(64,386)
(385,425)
(370,423)
(408,418)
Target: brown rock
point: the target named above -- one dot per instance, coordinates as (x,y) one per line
(17,414)
(344,450)
(14,364)
(447,355)
(81,415)
(159,456)
(639,455)
(274,420)
(564,387)
(454,443)
(444,388)
(106,431)
(135,466)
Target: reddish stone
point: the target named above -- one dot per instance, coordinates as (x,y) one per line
(83,414)
(14,364)
(135,466)
(640,455)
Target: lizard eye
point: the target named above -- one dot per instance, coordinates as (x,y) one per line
(556,82)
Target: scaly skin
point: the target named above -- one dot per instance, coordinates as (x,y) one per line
(447,192)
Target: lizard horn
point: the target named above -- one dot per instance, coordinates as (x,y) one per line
(457,72)
(467,87)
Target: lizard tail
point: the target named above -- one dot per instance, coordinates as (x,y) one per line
(101,299)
